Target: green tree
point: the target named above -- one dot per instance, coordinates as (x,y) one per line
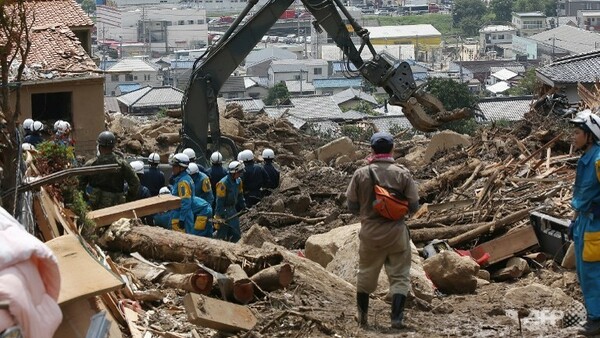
(502,9)
(527,84)
(470,25)
(467,9)
(455,95)
(277,94)
(547,7)
(88,6)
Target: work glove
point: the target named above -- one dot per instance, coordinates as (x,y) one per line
(571,229)
(217,220)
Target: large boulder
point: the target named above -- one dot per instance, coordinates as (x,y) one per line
(536,296)
(257,236)
(445,140)
(322,248)
(452,273)
(335,148)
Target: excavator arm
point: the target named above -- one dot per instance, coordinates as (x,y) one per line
(199,105)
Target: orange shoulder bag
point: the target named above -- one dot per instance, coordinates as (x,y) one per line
(388,203)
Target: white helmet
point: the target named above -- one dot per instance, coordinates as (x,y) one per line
(154,158)
(216,158)
(37,126)
(181,160)
(27,147)
(63,127)
(137,166)
(235,167)
(193,168)
(589,121)
(268,154)
(191,154)
(27,124)
(245,155)
(164,191)
(56,124)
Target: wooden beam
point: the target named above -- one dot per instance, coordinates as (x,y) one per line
(217,314)
(508,245)
(135,209)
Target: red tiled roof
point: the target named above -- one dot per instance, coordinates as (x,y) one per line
(58,12)
(56,52)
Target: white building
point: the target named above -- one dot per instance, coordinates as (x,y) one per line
(588,20)
(131,71)
(211,5)
(162,28)
(529,23)
(307,70)
(493,38)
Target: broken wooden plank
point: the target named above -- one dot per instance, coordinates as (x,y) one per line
(42,220)
(135,209)
(508,245)
(82,276)
(472,234)
(217,314)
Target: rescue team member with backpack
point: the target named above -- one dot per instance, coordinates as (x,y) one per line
(585,227)
(383,241)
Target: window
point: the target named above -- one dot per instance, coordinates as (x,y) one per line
(318,71)
(200,22)
(501,37)
(296,77)
(190,22)
(135,77)
(181,22)
(128,77)
(114,77)
(51,106)
(169,23)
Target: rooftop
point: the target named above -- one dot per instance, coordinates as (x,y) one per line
(499,87)
(270,53)
(530,14)
(590,13)
(351,94)
(583,67)
(128,87)
(234,84)
(573,39)
(248,104)
(505,108)
(295,86)
(56,52)
(132,65)
(388,123)
(59,13)
(504,74)
(152,97)
(337,83)
(496,28)
(402,31)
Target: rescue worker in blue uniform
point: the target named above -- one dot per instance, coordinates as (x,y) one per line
(269,156)
(153,178)
(202,213)
(192,155)
(27,125)
(183,187)
(202,186)
(216,172)
(138,169)
(230,200)
(255,178)
(34,138)
(585,228)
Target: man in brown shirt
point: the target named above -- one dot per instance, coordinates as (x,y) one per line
(382,241)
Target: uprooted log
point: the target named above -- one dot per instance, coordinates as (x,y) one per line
(453,176)
(243,289)
(167,245)
(485,228)
(274,278)
(199,281)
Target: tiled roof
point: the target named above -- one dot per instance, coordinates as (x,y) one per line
(351,94)
(132,65)
(505,108)
(293,86)
(234,84)
(519,69)
(56,52)
(111,104)
(337,83)
(260,81)
(152,97)
(248,104)
(128,87)
(385,123)
(572,69)
(270,53)
(59,13)
(573,39)
(326,127)
(315,107)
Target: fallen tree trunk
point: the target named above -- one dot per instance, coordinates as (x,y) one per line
(243,289)
(462,216)
(485,228)
(274,278)
(453,176)
(198,282)
(425,235)
(167,245)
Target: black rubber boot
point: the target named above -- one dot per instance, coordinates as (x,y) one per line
(398,301)
(590,328)
(362,302)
